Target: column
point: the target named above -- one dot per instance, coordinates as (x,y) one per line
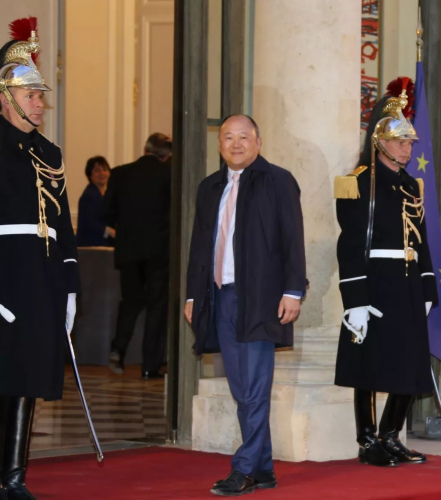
(307,104)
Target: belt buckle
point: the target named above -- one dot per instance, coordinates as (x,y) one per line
(410,254)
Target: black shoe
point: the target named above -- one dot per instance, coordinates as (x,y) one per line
(16,488)
(265,480)
(372,453)
(234,485)
(396,448)
(115,363)
(148,375)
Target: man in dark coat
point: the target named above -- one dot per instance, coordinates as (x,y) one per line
(246,276)
(39,271)
(386,279)
(137,205)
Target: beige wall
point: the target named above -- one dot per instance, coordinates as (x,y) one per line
(399,23)
(116,43)
(154,69)
(94,97)
(86,89)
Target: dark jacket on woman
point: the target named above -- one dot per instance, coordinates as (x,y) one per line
(91,226)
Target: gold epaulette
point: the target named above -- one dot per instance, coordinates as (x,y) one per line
(346,186)
(421,186)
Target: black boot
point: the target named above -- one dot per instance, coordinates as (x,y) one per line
(392,422)
(16,449)
(371,451)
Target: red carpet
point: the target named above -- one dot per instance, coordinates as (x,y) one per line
(157,473)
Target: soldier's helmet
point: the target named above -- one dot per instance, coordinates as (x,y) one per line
(17,61)
(389,119)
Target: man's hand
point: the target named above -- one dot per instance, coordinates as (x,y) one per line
(109,232)
(188,311)
(289,309)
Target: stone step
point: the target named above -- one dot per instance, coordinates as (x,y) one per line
(298,394)
(304,373)
(316,358)
(319,344)
(291,358)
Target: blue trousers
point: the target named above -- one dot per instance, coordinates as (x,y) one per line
(249,367)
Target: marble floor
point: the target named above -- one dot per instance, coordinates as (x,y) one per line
(126,411)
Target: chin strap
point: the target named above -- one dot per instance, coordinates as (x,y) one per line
(14,103)
(386,153)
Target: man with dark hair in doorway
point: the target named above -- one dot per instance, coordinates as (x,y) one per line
(137,205)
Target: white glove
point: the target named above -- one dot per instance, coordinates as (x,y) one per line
(6,313)
(428,307)
(357,321)
(71,310)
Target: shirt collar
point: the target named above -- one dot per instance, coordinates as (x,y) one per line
(231,172)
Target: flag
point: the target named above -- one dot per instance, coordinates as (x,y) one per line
(421,165)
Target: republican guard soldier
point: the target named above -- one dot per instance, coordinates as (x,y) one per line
(38,265)
(387,286)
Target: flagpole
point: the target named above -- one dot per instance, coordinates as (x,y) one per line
(419,42)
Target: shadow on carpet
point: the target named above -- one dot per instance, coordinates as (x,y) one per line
(160,473)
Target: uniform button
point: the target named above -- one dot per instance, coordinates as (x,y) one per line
(411,243)
(394,188)
(20,145)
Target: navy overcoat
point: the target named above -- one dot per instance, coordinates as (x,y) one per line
(269,254)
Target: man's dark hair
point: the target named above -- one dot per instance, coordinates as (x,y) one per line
(253,122)
(91,163)
(159,145)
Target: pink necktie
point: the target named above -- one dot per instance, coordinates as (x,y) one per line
(223,230)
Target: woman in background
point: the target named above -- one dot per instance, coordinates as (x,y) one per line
(92,231)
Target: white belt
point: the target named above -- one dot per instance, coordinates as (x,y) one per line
(395,254)
(25,229)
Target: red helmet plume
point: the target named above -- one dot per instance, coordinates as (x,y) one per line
(394,89)
(21,29)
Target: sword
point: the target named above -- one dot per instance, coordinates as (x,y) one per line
(99,453)
(371,203)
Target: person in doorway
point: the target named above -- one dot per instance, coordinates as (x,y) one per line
(38,266)
(137,206)
(245,281)
(91,229)
(387,286)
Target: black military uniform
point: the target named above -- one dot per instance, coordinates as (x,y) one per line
(38,267)
(395,355)
(33,284)
(385,274)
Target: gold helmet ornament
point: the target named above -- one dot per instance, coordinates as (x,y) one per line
(17,62)
(393,124)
